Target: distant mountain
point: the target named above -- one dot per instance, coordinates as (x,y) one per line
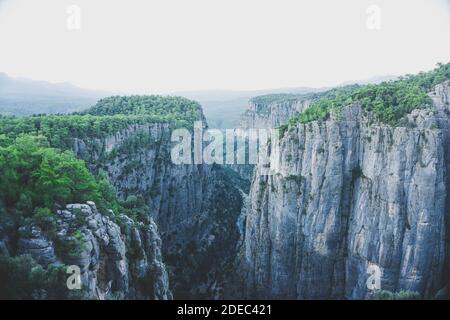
(222,108)
(19,96)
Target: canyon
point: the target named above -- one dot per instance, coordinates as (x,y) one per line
(347,193)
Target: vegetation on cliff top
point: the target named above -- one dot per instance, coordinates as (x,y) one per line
(108,116)
(280,98)
(267,99)
(170,107)
(37,174)
(388,101)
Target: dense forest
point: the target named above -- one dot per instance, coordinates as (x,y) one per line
(107,116)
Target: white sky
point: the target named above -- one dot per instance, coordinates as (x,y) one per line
(159,46)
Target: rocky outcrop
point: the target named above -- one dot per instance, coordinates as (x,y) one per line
(113,261)
(36,244)
(349,197)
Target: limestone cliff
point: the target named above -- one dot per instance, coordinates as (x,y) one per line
(349,194)
(271,114)
(195,206)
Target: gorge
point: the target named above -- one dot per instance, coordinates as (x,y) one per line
(361,179)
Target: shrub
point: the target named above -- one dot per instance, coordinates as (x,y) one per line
(400,295)
(22,277)
(45,220)
(34,175)
(357,173)
(146,284)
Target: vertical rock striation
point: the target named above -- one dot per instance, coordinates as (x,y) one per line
(272,114)
(195,206)
(347,195)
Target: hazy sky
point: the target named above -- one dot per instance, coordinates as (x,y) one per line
(158,46)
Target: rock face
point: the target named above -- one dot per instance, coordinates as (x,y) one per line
(350,197)
(441,101)
(267,115)
(113,263)
(273,114)
(37,245)
(195,206)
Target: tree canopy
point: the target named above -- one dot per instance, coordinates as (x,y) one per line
(108,116)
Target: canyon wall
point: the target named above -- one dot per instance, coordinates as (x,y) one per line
(195,207)
(349,195)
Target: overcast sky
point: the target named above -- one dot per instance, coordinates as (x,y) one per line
(159,46)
